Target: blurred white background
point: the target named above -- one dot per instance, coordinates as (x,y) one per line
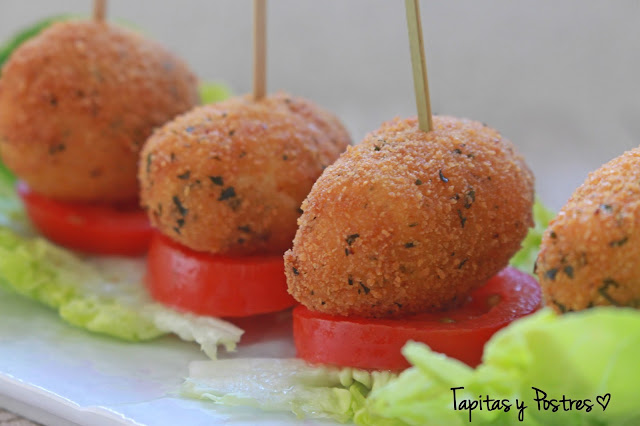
(560,79)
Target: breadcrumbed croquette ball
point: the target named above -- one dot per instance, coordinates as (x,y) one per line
(230,177)
(408,221)
(78,101)
(590,252)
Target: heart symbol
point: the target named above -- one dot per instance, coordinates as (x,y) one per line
(603,400)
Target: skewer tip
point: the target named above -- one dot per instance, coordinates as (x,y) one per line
(99,10)
(418,62)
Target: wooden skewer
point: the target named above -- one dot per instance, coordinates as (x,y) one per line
(418,62)
(259,49)
(99,10)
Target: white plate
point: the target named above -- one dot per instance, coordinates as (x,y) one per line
(57,374)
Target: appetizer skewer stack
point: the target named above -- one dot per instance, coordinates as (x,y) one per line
(223,185)
(77,102)
(410,221)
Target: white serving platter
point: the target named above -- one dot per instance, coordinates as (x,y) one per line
(56,374)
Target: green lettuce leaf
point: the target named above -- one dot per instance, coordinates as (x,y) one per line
(11,211)
(213,92)
(101,294)
(283,385)
(525,258)
(55,277)
(583,356)
(6,179)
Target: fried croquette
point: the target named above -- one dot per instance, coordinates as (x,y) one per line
(589,253)
(78,101)
(230,177)
(408,221)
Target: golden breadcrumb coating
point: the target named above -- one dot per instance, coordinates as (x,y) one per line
(78,101)
(230,177)
(590,253)
(409,221)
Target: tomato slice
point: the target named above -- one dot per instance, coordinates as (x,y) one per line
(459,333)
(90,228)
(215,285)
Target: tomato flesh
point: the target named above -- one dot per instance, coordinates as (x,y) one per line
(459,333)
(215,285)
(90,228)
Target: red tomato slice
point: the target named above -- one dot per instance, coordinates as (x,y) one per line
(90,228)
(459,333)
(215,285)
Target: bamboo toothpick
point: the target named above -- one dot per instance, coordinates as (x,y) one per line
(99,10)
(419,64)
(259,49)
